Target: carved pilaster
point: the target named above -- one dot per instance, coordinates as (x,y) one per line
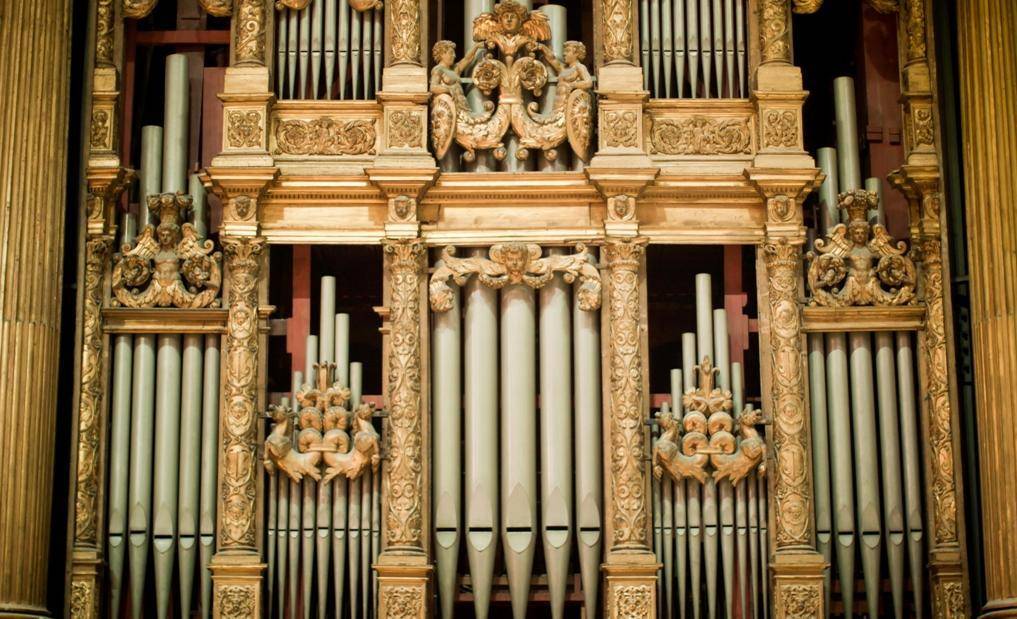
(404,25)
(630,568)
(250,23)
(241,189)
(104,33)
(621,189)
(616,31)
(774,31)
(104,131)
(403,569)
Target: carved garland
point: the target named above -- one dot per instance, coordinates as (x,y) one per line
(404,514)
(791,479)
(90,404)
(515,263)
(239,418)
(701,135)
(628,472)
(326,136)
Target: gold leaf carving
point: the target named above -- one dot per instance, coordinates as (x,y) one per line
(404,129)
(219,8)
(405,29)
(239,427)
(326,136)
(800,602)
(915,29)
(701,135)
(775,31)
(153,272)
(235,601)
(793,495)
(84,602)
(949,599)
(243,129)
(617,30)
(628,471)
(780,129)
(403,602)
(923,132)
(91,417)
(249,25)
(404,515)
(515,263)
(104,32)
(859,263)
(619,128)
(137,9)
(101,134)
(633,602)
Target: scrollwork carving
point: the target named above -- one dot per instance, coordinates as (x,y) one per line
(405,128)
(326,136)
(515,263)
(701,135)
(137,9)
(235,601)
(801,601)
(915,29)
(775,31)
(403,602)
(100,133)
(84,603)
(249,37)
(633,602)
(620,129)
(219,8)
(405,41)
(780,129)
(617,31)
(153,272)
(859,263)
(243,128)
(104,33)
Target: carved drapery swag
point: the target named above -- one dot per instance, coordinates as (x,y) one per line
(404,509)
(239,432)
(705,434)
(793,494)
(153,272)
(859,263)
(515,263)
(91,417)
(518,34)
(325,427)
(628,469)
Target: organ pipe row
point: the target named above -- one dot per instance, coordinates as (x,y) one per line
(164,416)
(324,534)
(693,48)
(495,340)
(332,49)
(710,536)
(865,429)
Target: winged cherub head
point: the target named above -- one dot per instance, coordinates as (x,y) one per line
(510,15)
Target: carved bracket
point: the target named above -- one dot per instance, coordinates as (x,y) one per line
(859,263)
(516,263)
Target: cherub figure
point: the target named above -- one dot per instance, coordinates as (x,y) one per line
(446,73)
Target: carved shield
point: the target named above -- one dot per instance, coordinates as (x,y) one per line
(443,123)
(579,122)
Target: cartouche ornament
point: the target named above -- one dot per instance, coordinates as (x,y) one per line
(518,34)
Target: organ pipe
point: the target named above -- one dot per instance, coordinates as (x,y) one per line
(317,19)
(718,47)
(842,475)
(679,511)
(724,488)
(190,463)
(710,498)
(296,497)
(889,447)
(354,501)
(326,355)
(821,455)
(693,495)
(678,30)
(910,432)
(866,467)
(655,50)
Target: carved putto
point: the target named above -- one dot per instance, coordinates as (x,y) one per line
(518,34)
(325,425)
(858,263)
(706,434)
(168,265)
(515,263)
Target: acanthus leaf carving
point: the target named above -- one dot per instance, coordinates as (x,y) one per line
(243,128)
(775,31)
(701,135)
(515,263)
(153,272)
(858,263)
(104,32)
(801,601)
(219,8)
(235,601)
(780,129)
(405,31)
(617,31)
(633,602)
(326,136)
(249,37)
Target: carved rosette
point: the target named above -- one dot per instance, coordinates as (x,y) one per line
(91,417)
(404,510)
(239,432)
(617,31)
(249,33)
(515,263)
(628,470)
(793,495)
(405,31)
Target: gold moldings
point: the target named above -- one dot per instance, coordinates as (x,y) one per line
(793,495)
(617,31)
(404,512)
(628,470)
(818,319)
(324,423)
(858,263)
(516,263)
(137,9)
(164,320)
(239,427)
(249,37)
(701,135)
(404,16)
(91,419)
(326,136)
(244,128)
(152,272)
(915,29)
(84,603)
(708,435)
(518,34)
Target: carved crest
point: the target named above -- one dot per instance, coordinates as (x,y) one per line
(518,35)
(859,263)
(299,443)
(168,265)
(515,263)
(708,434)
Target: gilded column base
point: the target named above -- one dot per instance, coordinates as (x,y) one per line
(404,586)
(236,586)
(797,584)
(630,583)
(86,567)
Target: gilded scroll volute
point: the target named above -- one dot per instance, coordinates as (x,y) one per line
(168,265)
(859,263)
(518,35)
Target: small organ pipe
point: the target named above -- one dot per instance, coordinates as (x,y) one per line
(589,478)
(354,498)
(199,206)
(821,455)
(295,533)
(829,212)
(557,21)
(326,354)
(344,45)
(304,69)
(190,464)
(338,510)
(331,35)
(655,53)
(740,498)
(912,472)
(657,526)
(375,533)
(704,348)
(729,46)
(317,11)
(209,467)
(379,34)
(742,64)
(667,541)
(309,512)
(850,171)
(679,512)
(368,44)
(666,44)
(356,23)
(165,481)
(764,541)
(644,40)
(693,494)
(863,416)
(365,541)
(273,499)
(140,490)
(150,172)
(718,47)
(692,22)
(890,458)
(292,52)
(175,121)
(281,534)
(678,13)
(481,429)
(446,390)
(518,440)
(724,489)
(120,441)
(705,45)
(751,492)
(877,216)
(704,320)
(281,47)
(842,476)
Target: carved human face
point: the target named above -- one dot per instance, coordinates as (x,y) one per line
(448,57)
(166,236)
(571,57)
(859,233)
(509,21)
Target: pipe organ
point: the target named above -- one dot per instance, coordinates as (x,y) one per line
(531,308)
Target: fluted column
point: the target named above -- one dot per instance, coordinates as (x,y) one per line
(987,54)
(403,568)
(33,144)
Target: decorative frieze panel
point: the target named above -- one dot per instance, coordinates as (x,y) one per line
(689,129)
(304,131)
